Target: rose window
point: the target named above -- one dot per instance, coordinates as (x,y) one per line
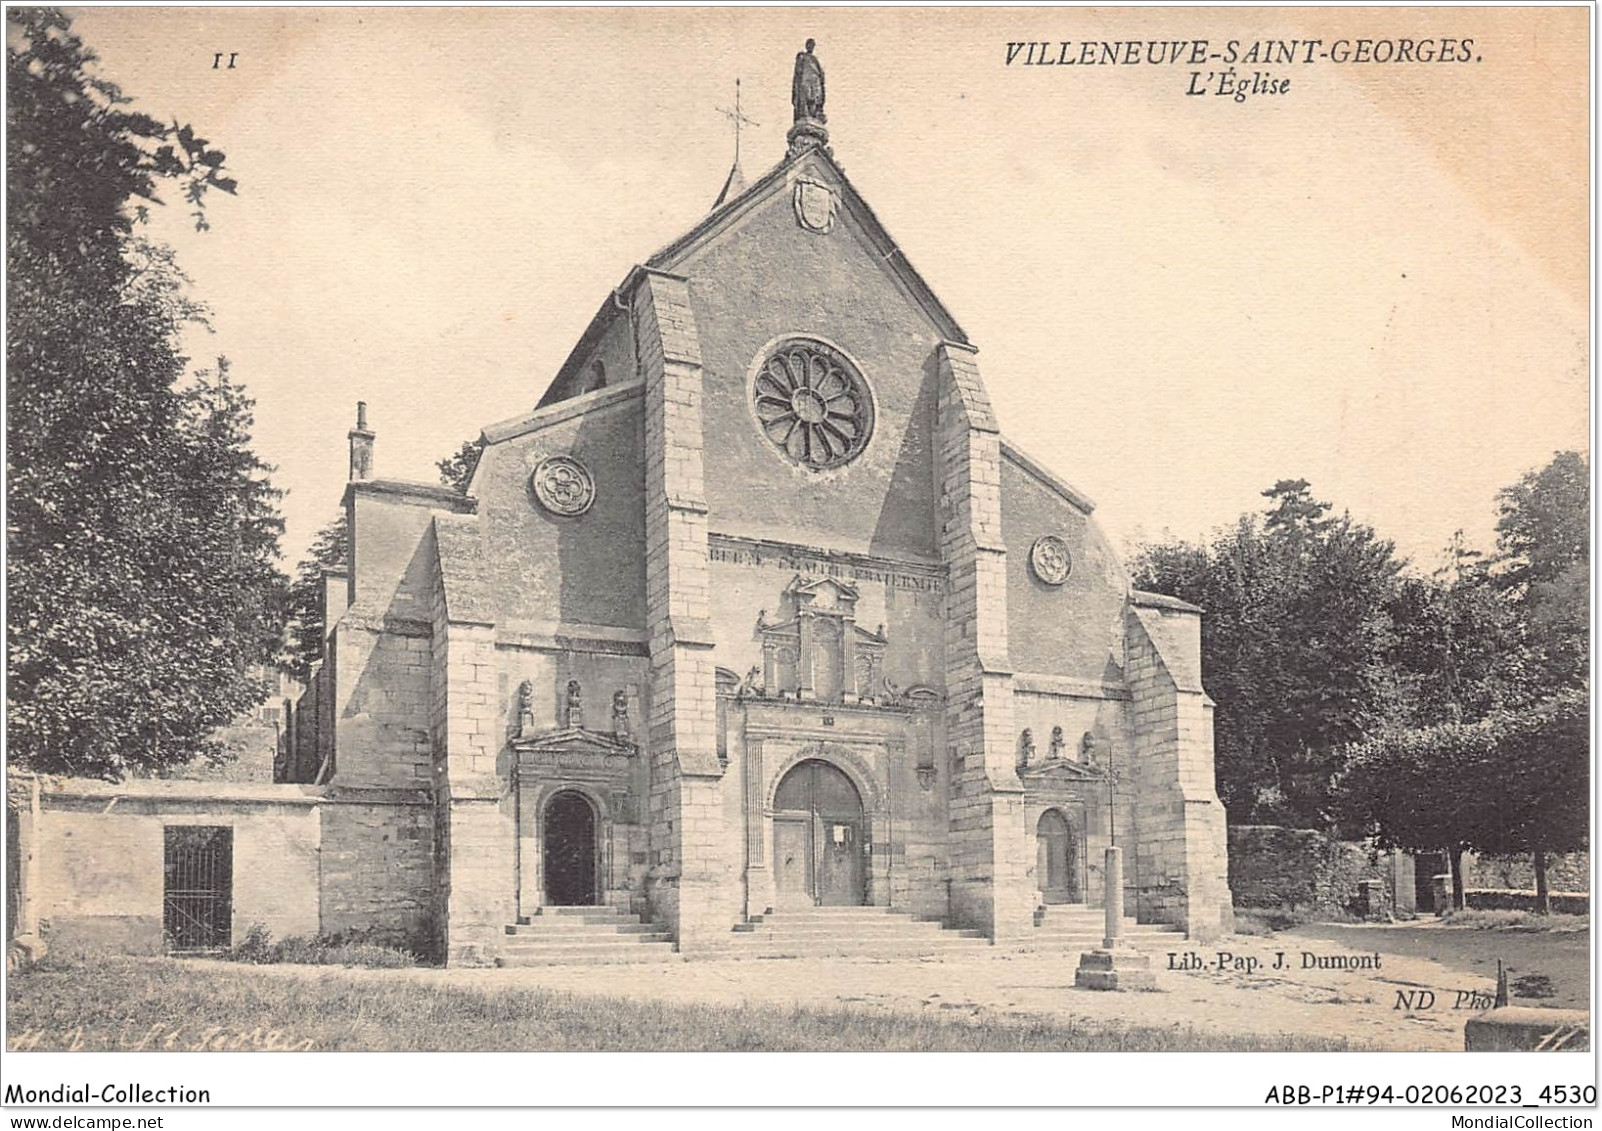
(812,404)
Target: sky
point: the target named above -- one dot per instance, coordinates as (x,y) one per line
(1377,280)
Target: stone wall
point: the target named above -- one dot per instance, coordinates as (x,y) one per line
(377,866)
(1567,871)
(382,726)
(309,736)
(544,568)
(767,278)
(1075,629)
(1301,869)
(99,852)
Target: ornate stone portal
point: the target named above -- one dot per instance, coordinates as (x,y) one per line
(548,768)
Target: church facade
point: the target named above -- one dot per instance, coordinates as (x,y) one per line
(757,609)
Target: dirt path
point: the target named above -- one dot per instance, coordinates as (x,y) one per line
(1236,988)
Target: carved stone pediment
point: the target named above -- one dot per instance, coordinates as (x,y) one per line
(1060,772)
(572,748)
(823,594)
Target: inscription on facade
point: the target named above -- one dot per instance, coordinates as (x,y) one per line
(751,553)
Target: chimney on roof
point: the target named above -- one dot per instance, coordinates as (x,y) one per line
(361,445)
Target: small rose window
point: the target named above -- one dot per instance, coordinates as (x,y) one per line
(812,404)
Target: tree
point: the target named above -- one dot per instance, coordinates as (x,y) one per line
(1544,787)
(1294,647)
(456,471)
(142,533)
(1495,755)
(1458,653)
(306,628)
(1410,789)
(1543,537)
(1515,781)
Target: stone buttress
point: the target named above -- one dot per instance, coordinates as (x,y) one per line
(988,845)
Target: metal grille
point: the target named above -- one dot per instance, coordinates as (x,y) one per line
(198,894)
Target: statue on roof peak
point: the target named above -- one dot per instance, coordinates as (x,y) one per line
(806,89)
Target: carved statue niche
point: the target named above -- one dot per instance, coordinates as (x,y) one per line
(525,709)
(1026,748)
(620,714)
(1054,752)
(575,704)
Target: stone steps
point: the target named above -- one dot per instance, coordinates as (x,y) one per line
(590,955)
(828,932)
(575,926)
(584,936)
(861,930)
(1080,928)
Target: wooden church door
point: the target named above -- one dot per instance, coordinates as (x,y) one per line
(819,839)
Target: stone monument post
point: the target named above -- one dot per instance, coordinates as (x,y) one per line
(1114,967)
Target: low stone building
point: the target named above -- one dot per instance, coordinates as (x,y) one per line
(757,609)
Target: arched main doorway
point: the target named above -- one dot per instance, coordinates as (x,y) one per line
(1057,859)
(571,862)
(819,838)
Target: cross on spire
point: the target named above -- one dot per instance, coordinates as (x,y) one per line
(738,117)
(734,185)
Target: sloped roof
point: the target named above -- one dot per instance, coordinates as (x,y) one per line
(725,215)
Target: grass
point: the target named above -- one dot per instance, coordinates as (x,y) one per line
(350,949)
(1257,922)
(169,1004)
(1520,921)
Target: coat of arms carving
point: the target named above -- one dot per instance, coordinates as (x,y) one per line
(815,206)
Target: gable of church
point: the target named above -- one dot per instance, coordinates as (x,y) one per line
(796,267)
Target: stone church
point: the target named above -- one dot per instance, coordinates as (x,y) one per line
(756,610)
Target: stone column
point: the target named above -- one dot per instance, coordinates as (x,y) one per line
(1115,897)
(1113,966)
(758,877)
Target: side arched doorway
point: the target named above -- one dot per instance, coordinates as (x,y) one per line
(1059,859)
(570,857)
(819,839)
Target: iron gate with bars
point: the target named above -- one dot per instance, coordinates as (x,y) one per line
(198,894)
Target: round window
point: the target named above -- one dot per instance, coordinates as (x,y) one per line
(812,403)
